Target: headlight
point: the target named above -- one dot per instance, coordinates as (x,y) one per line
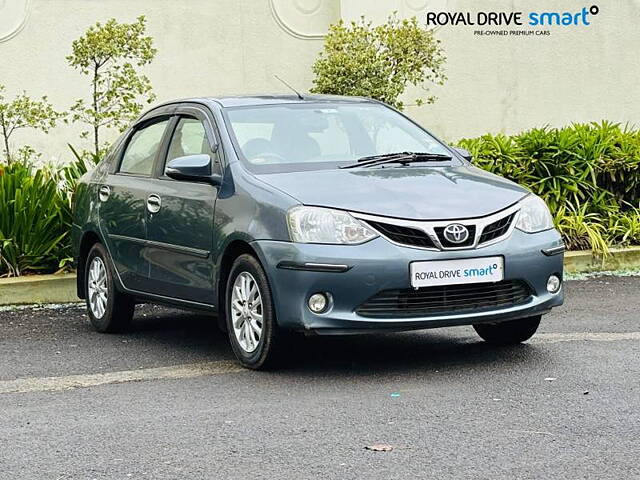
(323,225)
(534,215)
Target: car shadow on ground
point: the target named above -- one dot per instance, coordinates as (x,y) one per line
(434,350)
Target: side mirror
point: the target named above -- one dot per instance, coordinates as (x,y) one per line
(195,168)
(464,154)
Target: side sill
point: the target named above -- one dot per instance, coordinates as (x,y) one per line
(142,297)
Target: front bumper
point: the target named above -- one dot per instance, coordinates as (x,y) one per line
(380,265)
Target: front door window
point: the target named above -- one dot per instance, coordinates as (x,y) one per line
(189,138)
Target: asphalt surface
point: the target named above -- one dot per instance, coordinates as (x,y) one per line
(166,400)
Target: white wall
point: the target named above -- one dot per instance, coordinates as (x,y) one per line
(212,47)
(576,74)
(204,48)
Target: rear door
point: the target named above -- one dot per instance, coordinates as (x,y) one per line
(180,231)
(122,201)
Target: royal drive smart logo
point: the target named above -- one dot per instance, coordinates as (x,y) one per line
(531,21)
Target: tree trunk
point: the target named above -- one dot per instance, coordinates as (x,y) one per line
(96,119)
(6,143)
(96,140)
(6,149)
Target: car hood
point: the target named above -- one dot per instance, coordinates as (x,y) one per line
(417,193)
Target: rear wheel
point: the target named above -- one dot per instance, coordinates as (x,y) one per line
(251,322)
(508,333)
(108,309)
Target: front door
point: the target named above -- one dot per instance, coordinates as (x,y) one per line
(180,227)
(123,199)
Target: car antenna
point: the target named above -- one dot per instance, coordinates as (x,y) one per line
(290,87)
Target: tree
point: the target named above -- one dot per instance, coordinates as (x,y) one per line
(379,62)
(24,112)
(109,55)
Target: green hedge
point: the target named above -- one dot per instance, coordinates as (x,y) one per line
(35,217)
(589,175)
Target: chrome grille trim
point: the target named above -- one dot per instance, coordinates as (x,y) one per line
(429,226)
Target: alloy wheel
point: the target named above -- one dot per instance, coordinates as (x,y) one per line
(246,311)
(97,286)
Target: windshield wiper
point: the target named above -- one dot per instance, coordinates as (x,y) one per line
(401,157)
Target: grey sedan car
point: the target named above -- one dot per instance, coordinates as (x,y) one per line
(314,214)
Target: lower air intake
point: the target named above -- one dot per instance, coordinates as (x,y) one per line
(445,299)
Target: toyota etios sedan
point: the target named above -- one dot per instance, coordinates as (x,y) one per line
(317,214)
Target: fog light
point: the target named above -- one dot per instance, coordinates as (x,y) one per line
(318,302)
(553,284)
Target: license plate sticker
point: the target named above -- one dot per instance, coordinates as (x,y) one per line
(453,272)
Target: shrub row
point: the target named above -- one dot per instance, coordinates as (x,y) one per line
(589,175)
(35,217)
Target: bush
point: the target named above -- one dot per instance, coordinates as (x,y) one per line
(35,217)
(589,175)
(379,62)
(24,112)
(108,54)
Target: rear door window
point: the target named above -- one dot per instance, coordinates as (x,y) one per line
(141,151)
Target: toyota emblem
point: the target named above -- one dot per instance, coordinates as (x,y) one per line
(456,233)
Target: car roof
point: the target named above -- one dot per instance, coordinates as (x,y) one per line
(271,99)
(267,99)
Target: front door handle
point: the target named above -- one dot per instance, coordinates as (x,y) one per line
(103,193)
(154,203)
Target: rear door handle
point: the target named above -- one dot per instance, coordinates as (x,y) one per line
(154,203)
(103,193)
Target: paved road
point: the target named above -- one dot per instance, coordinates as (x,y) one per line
(167,401)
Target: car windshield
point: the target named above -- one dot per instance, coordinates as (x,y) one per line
(305,136)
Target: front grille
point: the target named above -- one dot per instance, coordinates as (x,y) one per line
(419,238)
(445,299)
(404,235)
(447,244)
(496,229)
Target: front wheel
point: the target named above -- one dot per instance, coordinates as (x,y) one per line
(251,322)
(508,333)
(109,310)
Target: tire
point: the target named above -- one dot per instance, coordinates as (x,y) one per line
(508,333)
(256,344)
(109,310)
